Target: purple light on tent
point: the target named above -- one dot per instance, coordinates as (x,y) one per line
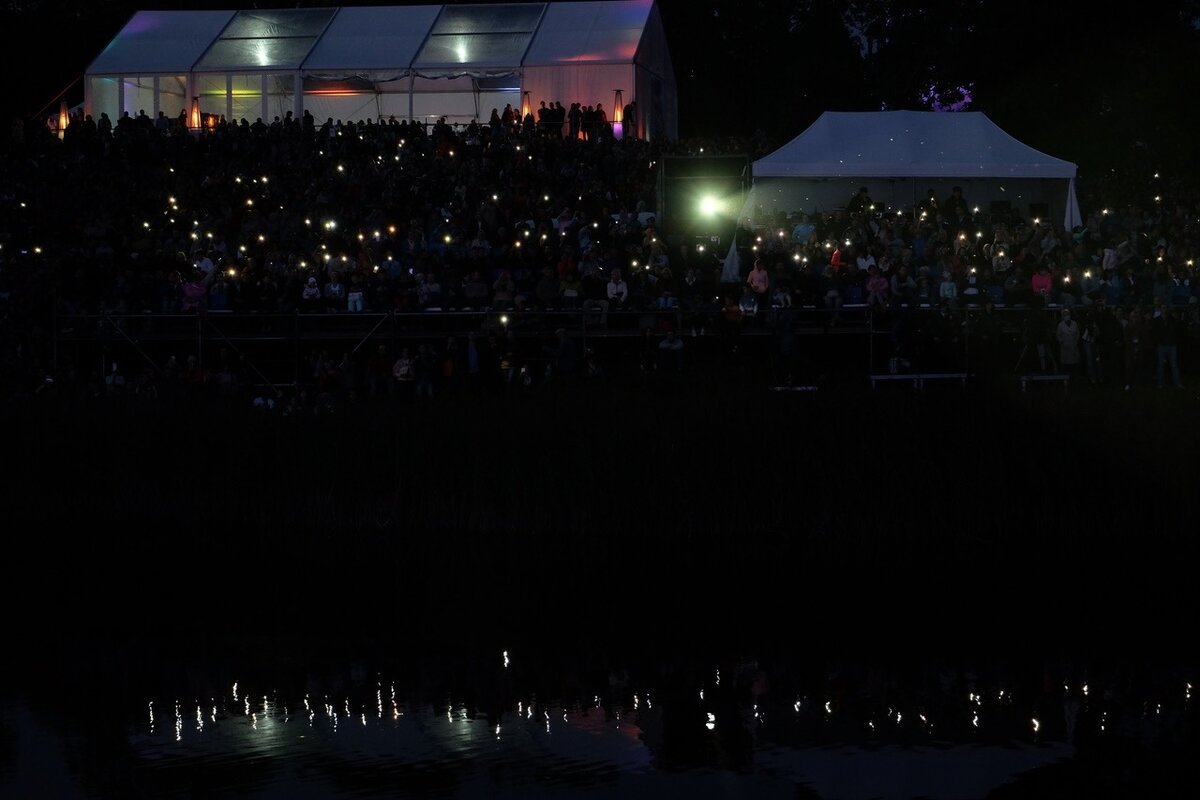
(144,21)
(955,99)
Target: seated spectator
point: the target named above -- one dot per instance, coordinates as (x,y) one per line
(195,292)
(570,289)
(432,293)
(617,291)
(547,290)
(505,290)
(310,297)
(903,286)
(948,290)
(335,293)
(877,288)
(475,291)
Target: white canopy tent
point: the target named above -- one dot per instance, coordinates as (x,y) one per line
(413,62)
(899,156)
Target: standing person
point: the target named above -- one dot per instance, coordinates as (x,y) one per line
(1137,338)
(731,328)
(860,202)
(1035,338)
(354,297)
(955,209)
(1089,338)
(451,366)
(423,368)
(379,374)
(986,329)
(1067,334)
(566,355)
(830,291)
(1110,343)
(759,283)
(670,353)
(402,373)
(1165,329)
(574,121)
(559,115)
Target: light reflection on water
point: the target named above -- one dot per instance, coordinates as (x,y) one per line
(367,739)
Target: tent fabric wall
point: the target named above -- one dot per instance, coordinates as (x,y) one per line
(826,195)
(567,52)
(900,155)
(587,84)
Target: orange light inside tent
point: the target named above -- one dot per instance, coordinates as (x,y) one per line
(194,120)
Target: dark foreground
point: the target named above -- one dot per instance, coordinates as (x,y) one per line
(1040,516)
(689,524)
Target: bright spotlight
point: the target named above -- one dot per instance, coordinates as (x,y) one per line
(711,206)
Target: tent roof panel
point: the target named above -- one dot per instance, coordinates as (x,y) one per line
(227,55)
(160,41)
(473,50)
(590,31)
(505,18)
(270,39)
(908,144)
(277,23)
(386,37)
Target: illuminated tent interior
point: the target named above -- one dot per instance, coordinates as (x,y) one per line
(900,155)
(409,62)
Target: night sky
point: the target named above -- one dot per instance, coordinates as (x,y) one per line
(1097,87)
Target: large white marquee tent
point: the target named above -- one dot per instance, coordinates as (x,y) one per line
(900,155)
(418,62)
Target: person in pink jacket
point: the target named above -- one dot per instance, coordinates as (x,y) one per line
(1042,284)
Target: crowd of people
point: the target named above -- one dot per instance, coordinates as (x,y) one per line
(553,213)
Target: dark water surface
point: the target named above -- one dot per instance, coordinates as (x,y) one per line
(715,593)
(518,725)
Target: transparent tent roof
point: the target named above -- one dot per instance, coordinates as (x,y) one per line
(480,35)
(433,40)
(266,39)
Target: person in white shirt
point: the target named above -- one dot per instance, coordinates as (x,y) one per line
(618,290)
(866,260)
